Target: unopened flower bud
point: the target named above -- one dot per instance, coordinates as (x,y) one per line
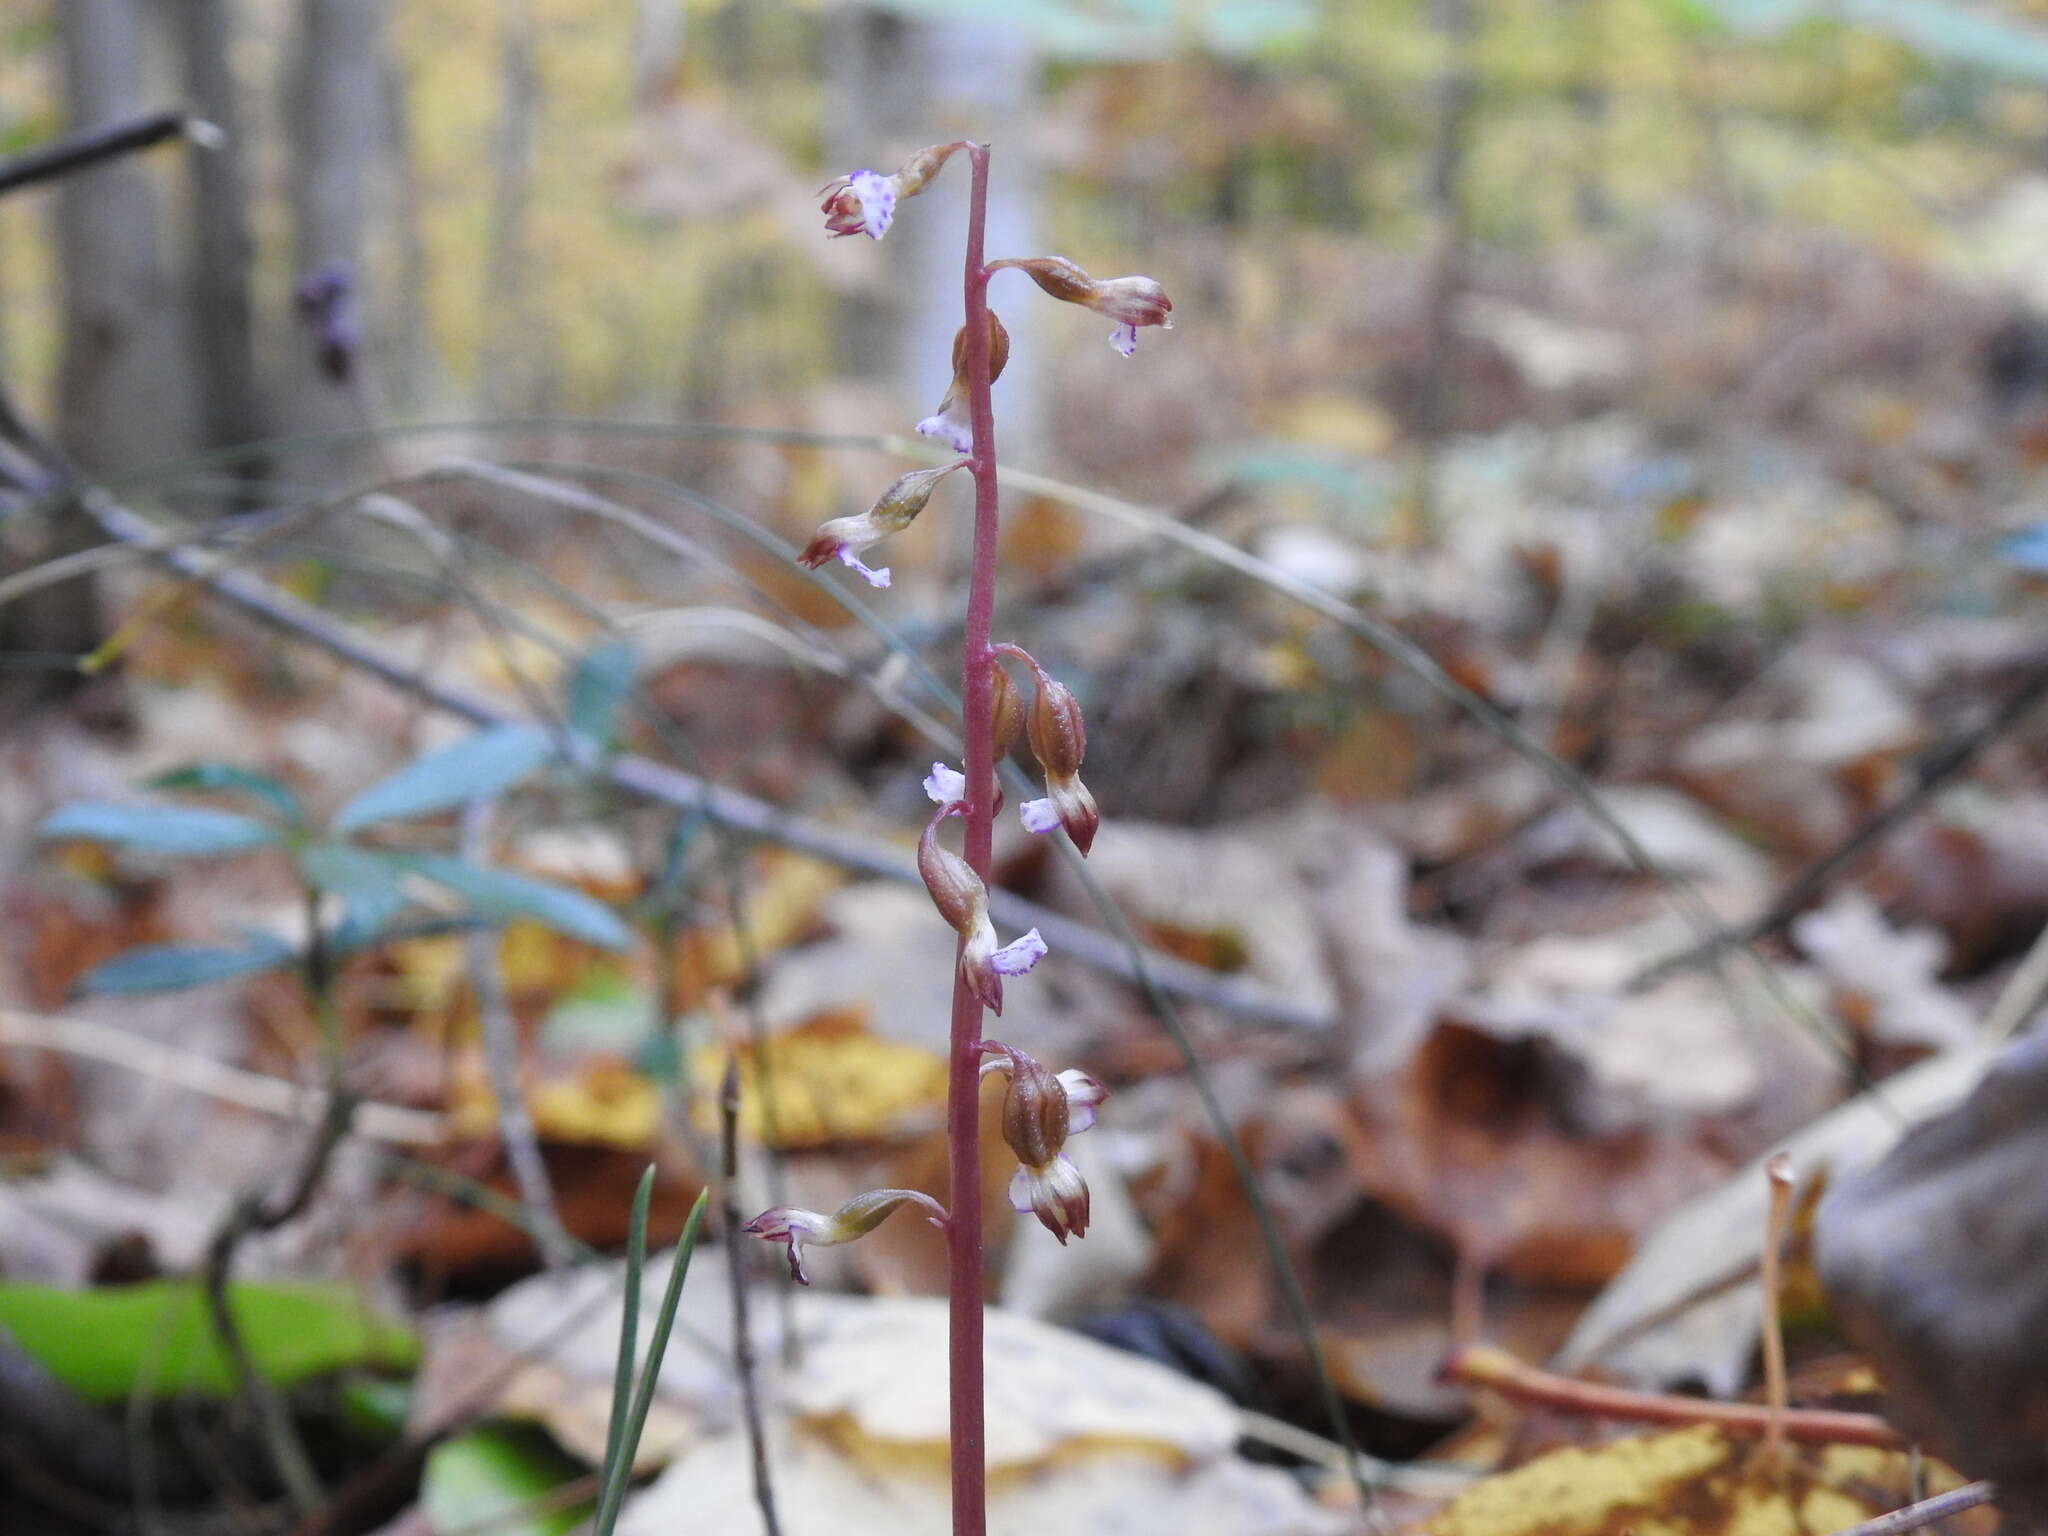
(1059,740)
(950,424)
(1130,301)
(1040,1111)
(962,899)
(796,1226)
(1005,711)
(843,538)
(864,202)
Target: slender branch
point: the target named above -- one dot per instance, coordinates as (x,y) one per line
(247,1217)
(500,1036)
(1930,777)
(1482,1365)
(963,1090)
(393,1123)
(1926,1512)
(1779,1172)
(89,146)
(730,808)
(736,1271)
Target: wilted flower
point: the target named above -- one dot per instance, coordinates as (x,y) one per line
(957,891)
(1059,739)
(859,1216)
(1040,1111)
(843,538)
(950,423)
(1130,301)
(864,202)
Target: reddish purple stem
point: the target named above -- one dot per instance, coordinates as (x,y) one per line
(963,1094)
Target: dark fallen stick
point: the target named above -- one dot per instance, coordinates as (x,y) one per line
(87,147)
(1934,771)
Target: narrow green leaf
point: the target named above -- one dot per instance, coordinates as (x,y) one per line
(476,768)
(100,1342)
(650,1377)
(229,779)
(183,829)
(490,1476)
(168,967)
(500,894)
(629,1327)
(370,885)
(597,688)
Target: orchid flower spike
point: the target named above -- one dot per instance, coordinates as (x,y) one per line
(957,891)
(1040,1111)
(1129,301)
(1059,740)
(950,424)
(864,202)
(843,538)
(795,1226)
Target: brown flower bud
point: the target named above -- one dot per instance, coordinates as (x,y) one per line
(1059,736)
(962,899)
(1006,711)
(843,538)
(1040,1111)
(796,1227)
(950,423)
(1130,301)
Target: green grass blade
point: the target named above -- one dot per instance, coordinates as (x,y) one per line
(620,1473)
(629,1323)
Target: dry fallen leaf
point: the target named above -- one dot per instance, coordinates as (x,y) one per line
(1687,1482)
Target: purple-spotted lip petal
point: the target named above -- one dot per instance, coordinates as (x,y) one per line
(1124,338)
(1038,815)
(1019,955)
(954,434)
(874,578)
(945,785)
(877,202)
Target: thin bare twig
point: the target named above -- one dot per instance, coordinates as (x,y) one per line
(730,808)
(392,1123)
(89,146)
(736,1269)
(1779,1172)
(500,1036)
(1926,1512)
(1482,1365)
(1930,777)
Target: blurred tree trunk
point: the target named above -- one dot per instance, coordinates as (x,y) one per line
(411,378)
(224,356)
(512,365)
(657,51)
(122,393)
(1457,92)
(899,84)
(335,123)
(1588,94)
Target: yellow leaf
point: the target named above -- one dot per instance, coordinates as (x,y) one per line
(1688,1482)
(831,1080)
